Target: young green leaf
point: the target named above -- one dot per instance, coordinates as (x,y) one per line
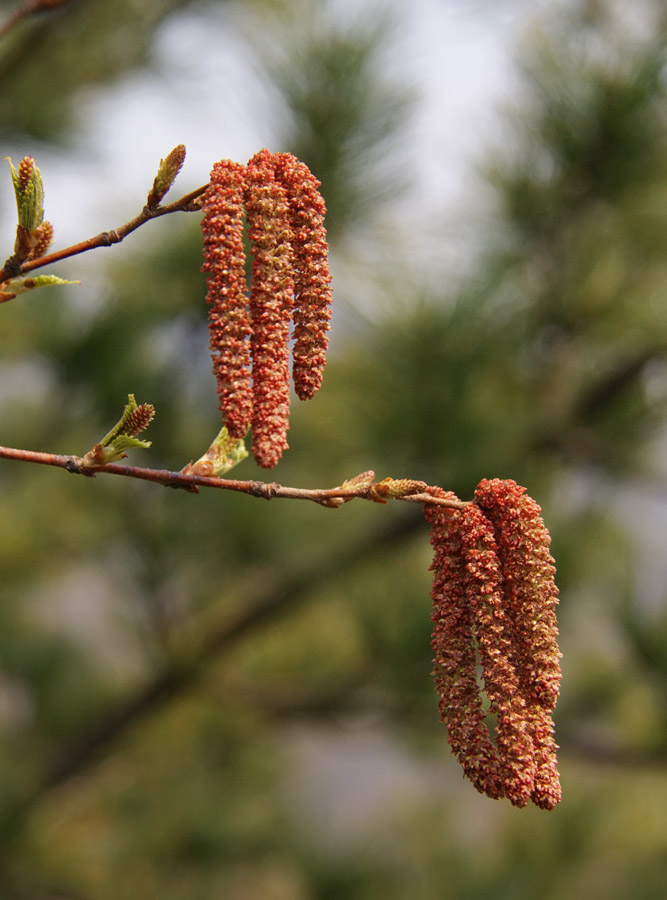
(224,453)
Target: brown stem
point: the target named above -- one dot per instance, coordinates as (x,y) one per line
(186,203)
(192,483)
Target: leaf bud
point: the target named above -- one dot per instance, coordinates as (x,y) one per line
(169,168)
(29,192)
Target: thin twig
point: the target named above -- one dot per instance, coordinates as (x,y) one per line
(187,203)
(192,483)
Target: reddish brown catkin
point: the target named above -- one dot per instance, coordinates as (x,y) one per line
(43,239)
(455,658)
(531,592)
(271,296)
(229,315)
(312,280)
(485,595)
(24,171)
(139,419)
(249,337)
(531,597)
(494,599)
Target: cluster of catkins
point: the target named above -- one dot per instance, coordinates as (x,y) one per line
(494,595)
(494,600)
(277,198)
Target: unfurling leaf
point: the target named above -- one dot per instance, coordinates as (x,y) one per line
(21,285)
(363,480)
(224,453)
(123,436)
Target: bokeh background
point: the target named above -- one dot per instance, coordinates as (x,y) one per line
(209,696)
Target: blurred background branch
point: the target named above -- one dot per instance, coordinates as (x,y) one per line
(27,9)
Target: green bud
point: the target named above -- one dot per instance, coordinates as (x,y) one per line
(29,192)
(170,166)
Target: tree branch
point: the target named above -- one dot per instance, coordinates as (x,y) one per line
(265,490)
(187,203)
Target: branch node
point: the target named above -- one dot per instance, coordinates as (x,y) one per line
(179,485)
(265,490)
(12,267)
(107,238)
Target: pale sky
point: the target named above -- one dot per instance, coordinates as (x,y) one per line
(203,92)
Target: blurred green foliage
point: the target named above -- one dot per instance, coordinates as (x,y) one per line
(207,696)
(81,44)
